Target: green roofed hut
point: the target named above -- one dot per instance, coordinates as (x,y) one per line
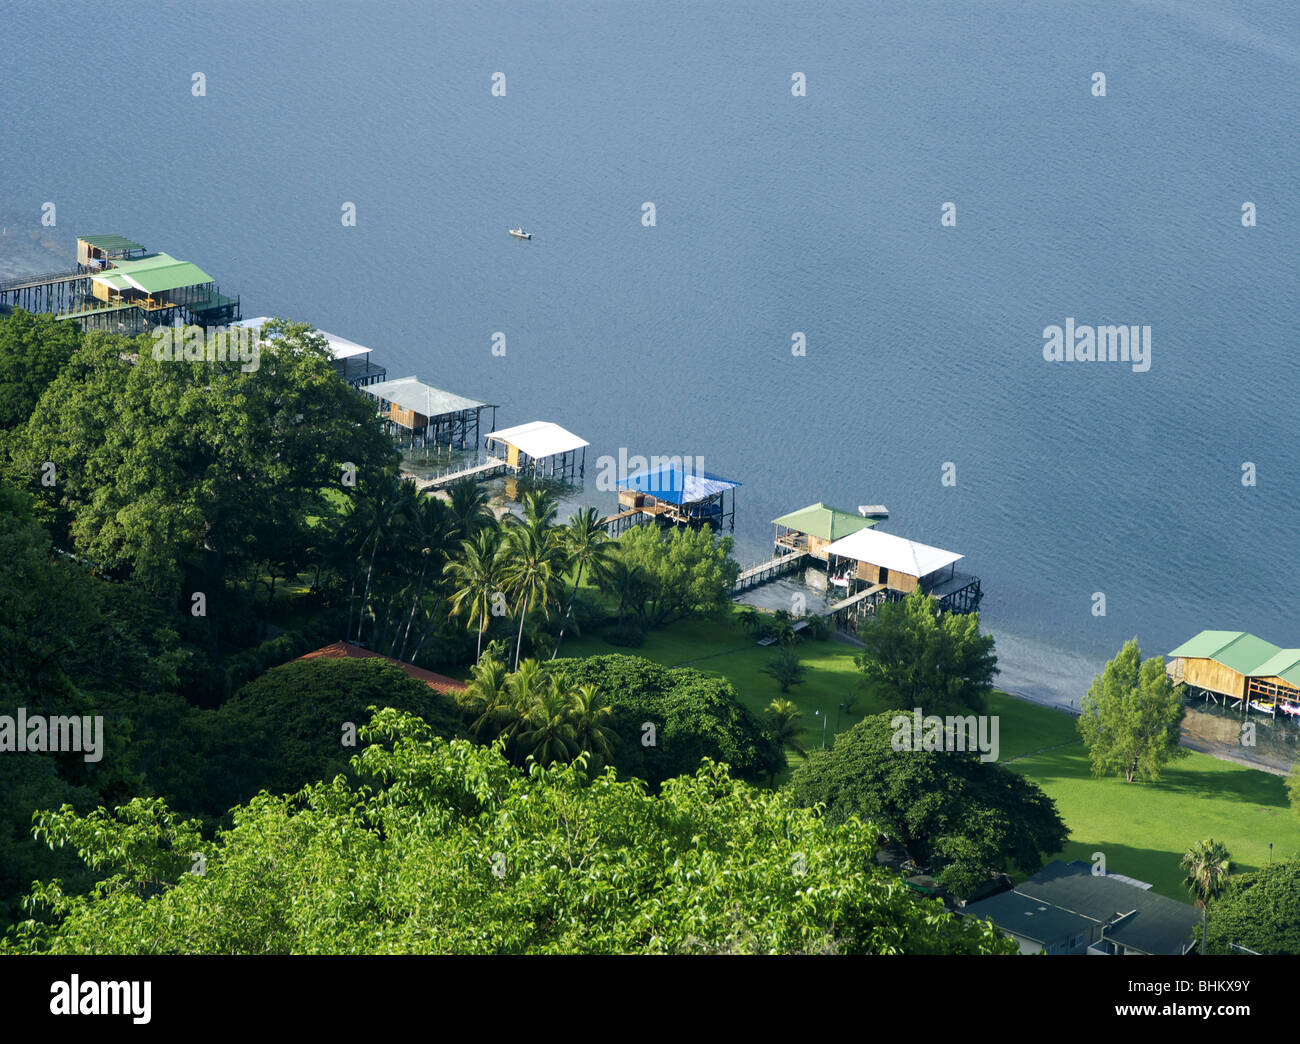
(162,289)
(96,252)
(1216,663)
(812,528)
(1233,667)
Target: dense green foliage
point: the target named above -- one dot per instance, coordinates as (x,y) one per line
(669,719)
(963,817)
(1130,717)
(184,475)
(1259,910)
(290,726)
(33,349)
(919,657)
(655,580)
(452,850)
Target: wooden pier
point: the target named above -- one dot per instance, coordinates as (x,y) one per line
(490,467)
(861,604)
(769,570)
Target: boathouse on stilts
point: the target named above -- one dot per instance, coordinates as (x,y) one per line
(672,494)
(1238,670)
(541,449)
(426,416)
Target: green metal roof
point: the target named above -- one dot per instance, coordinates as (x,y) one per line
(1285,665)
(111,243)
(825,523)
(1237,650)
(162,272)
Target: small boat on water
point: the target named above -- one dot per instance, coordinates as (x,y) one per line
(1263,706)
(519,233)
(1291,709)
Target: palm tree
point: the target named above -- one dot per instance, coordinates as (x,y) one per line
(534,561)
(469,507)
(547,732)
(540,509)
(391,504)
(1208,865)
(488,693)
(433,529)
(783,721)
(585,541)
(626,583)
(589,715)
(477,576)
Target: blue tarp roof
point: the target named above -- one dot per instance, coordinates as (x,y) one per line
(674,485)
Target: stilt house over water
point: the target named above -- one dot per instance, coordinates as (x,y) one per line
(1233,668)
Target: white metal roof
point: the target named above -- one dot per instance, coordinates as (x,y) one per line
(341,347)
(892,552)
(410,393)
(538,439)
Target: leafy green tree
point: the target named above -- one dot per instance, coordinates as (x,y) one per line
(1208,865)
(918,657)
(1257,911)
(182,474)
(689,573)
(785,668)
(449,849)
(1131,716)
(949,810)
(296,725)
(33,350)
(1293,786)
(669,719)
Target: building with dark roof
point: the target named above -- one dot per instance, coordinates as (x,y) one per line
(1065,908)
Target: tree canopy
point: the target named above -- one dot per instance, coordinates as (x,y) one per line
(1130,717)
(450,849)
(1259,910)
(919,657)
(668,719)
(964,817)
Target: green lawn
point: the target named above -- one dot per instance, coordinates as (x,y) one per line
(1144,828)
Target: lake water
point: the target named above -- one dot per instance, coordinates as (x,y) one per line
(774,215)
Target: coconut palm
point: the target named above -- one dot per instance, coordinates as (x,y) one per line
(488,694)
(533,568)
(388,507)
(590,719)
(1209,865)
(628,584)
(477,576)
(433,530)
(469,507)
(585,542)
(546,733)
(784,721)
(540,509)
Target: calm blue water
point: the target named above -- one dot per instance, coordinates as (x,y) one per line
(775,214)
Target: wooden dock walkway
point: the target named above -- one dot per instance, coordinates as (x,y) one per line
(854,604)
(769,570)
(485,470)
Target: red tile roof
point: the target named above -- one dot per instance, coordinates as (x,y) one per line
(344,650)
